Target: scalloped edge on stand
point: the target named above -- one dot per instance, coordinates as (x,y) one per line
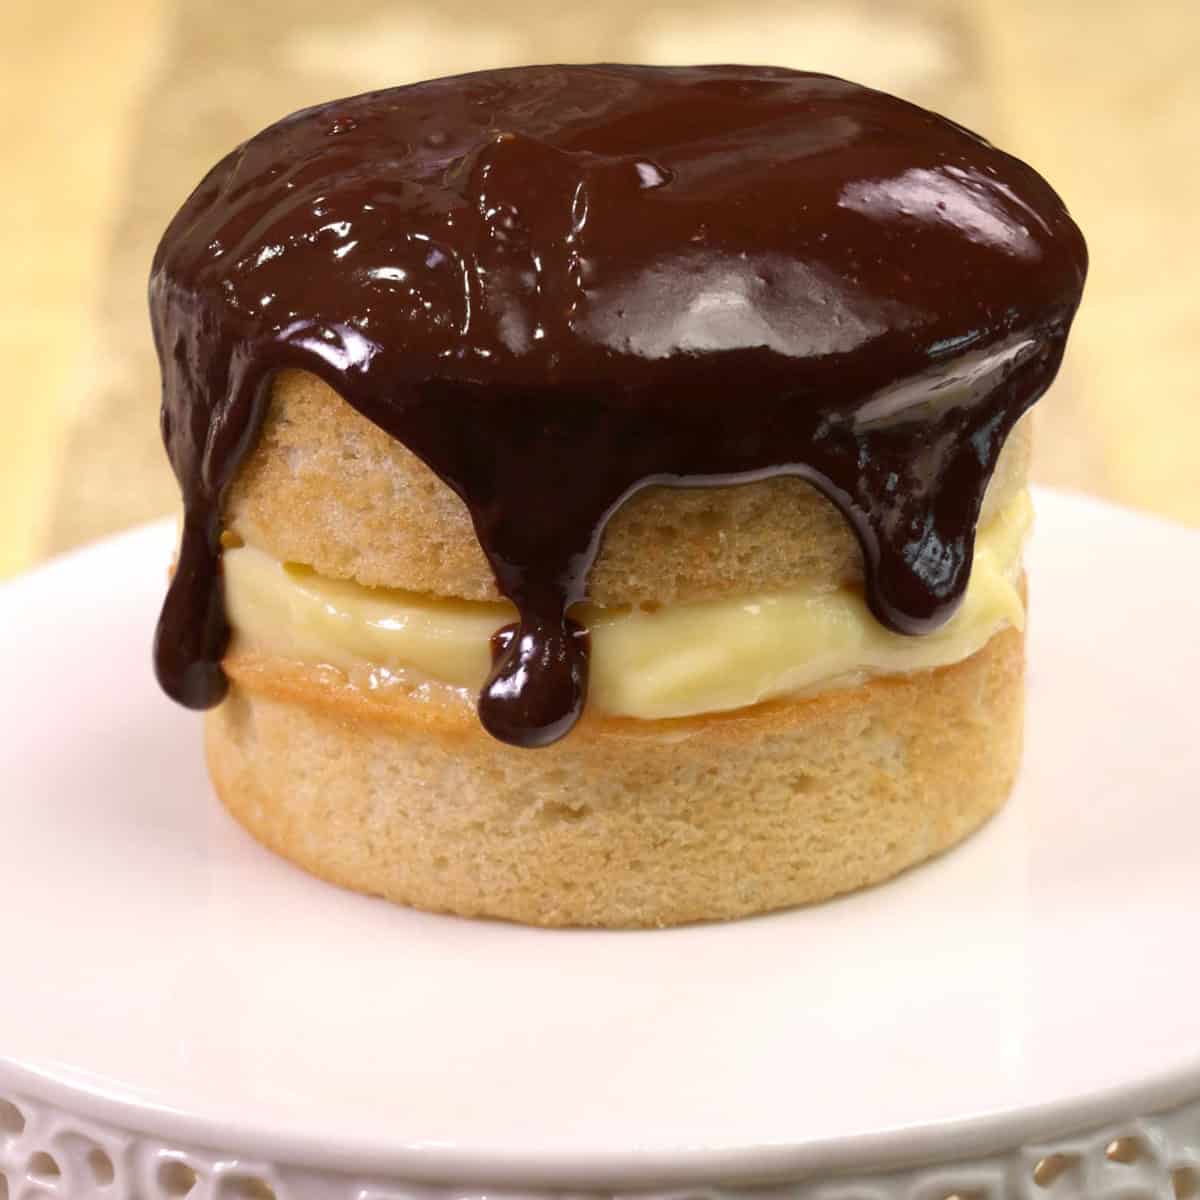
(49,1152)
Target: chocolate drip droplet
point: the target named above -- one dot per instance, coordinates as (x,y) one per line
(538,685)
(192,632)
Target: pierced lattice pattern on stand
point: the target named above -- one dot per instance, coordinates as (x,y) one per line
(49,1154)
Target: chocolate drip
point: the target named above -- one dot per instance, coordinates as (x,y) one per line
(560,285)
(556,653)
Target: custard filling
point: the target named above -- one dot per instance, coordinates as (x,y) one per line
(676,661)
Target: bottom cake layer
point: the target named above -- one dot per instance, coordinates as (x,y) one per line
(624,822)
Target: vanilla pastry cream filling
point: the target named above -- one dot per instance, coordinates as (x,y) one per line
(676,661)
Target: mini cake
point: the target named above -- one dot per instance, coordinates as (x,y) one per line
(605,487)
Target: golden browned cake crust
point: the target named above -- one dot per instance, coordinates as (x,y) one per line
(327,488)
(624,823)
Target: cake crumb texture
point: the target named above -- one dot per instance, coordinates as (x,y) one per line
(327,488)
(625,823)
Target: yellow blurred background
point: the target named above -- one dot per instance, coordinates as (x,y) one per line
(113,112)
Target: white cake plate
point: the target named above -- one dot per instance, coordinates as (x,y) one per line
(183,1014)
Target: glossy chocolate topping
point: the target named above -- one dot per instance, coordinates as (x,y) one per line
(557,285)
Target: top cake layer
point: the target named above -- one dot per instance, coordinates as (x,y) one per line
(559,285)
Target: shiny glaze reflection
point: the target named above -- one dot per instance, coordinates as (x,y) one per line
(559,285)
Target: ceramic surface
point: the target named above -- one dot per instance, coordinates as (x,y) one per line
(47,1150)
(164,974)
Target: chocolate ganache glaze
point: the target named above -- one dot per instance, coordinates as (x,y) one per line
(558,285)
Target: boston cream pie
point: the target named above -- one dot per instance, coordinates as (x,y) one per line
(604,487)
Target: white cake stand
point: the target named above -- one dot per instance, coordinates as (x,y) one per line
(183,1014)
